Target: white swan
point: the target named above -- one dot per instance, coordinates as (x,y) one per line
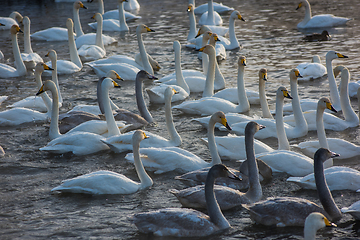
(14,19)
(344,148)
(132,5)
(311,104)
(7,71)
(292,211)
(227,197)
(157,93)
(353,210)
(319,21)
(209,104)
(332,122)
(114,14)
(168,159)
(314,222)
(218,7)
(118,24)
(210,17)
(313,70)
(300,129)
(97,51)
(29,58)
(59,33)
(107,182)
(126,67)
(20,115)
(185,222)
(353,86)
(34,102)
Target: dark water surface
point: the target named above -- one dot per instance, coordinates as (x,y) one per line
(269,38)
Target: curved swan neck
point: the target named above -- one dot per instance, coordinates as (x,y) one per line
(192,29)
(19,64)
(123,25)
(263,102)
(180,81)
(74,56)
(307,13)
(211,17)
(45,97)
(78,29)
(54,124)
(348,111)
(110,120)
(215,158)
(144,112)
(242,97)
(324,193)
(254,192)
(300,120)
(55,76)
(144,57)
(27,41)
(145,179)
(212,205)
(280,129)
(99,41)
(334,94)
(210,77)
(174,135)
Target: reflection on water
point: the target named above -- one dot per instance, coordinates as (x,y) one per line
(269,38)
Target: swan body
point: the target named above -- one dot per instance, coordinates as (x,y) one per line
(114,14)
(185,222)
(291,211)
(94,52)
(319,21)
(107,182)
(210,17)
(90,38)
(59,33)
(29,58)
(131,5)
(218,7)
(353,210)
(227,197)
(14,19)
(20,68)
(314,222)
(311,71)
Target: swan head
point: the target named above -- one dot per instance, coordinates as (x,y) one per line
(213,39)
(337,70)
(97,17)
(324,102)
(169,92)
(263,74)
(345,76)
(40,67)
(203,29)
(316,221)
(109,83)
(242,61)
(78,5)
(144,75)
(142,28)
(219,117)
(15,29)
(236,15)
(295,74)
(190,8)
(17,16)
(330,55)
(69,24)
(47,85)
(208,49)
(220,170)
(316,59)
(282,92)
(253,127)
(113,75)
(138,136)
(323,154)
(51,54)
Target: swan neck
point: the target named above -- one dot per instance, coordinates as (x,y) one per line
(212,205)
(144,57)
(101,7)
(215,158)
(174,135)
(110,120)
(334,94)
(192,30)
(211,16)
(99,41)
(324,193)
(54,124)
(145,179)
(232,35)
(45,97)
(263,101)
(55,77)
(210,77)
(347,110)
(144,112)
(242,97)
(205,63)
(19,64)
(280,129)
(74,56)
(27,41)
(180,81)
(78,29)
(309,231)
(123,25)
(321,134)
(300,120)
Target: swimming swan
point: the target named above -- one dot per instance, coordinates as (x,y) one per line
(20,68)
(311,70)
(14,19)
(292,211)
(114,14)
(319,21)
(29,58)
(107,182)
(210,17)
(185,222)
(218,7)
(227,197)
(314,222)
(59,33)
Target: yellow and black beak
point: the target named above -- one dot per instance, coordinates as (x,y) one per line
(297,74)
(41,90)
(264,76)
(241,18)
(46,67)
(286,94)
(82,5)
(328,223)
(330,107)
(149,29)
(225,123)
(341,56)
(299,6)
(202,49)
(2,24)
(116,85)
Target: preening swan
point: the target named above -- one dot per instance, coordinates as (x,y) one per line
(7,71)
(314,222)
(319,21)
(59,33)
(292,211)
(227,197)
(167,159)
(311,71)
(107,182)
(29,58)
(90,52)
(210,17)
(14,19)
(185,222)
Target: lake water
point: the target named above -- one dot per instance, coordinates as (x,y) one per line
(269,38)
